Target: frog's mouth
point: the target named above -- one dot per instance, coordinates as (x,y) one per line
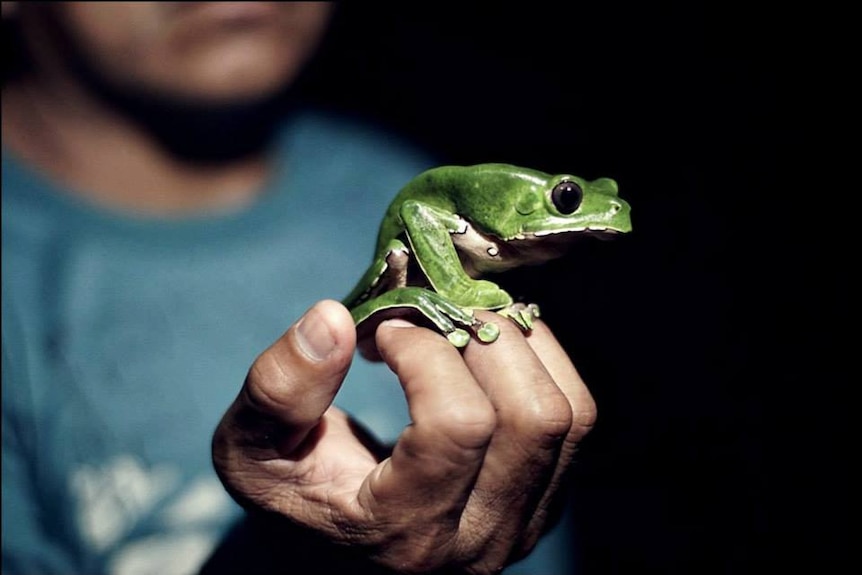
(564,235)
(605,234)
(595,230)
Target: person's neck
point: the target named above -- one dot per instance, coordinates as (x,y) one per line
(108,159)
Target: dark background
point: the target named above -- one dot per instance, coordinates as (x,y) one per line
(703,334)
(711,335)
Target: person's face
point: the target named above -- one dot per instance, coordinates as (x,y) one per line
(210,51)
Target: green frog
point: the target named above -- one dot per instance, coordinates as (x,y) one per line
(451,225)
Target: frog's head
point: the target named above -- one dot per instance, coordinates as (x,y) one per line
(567,204)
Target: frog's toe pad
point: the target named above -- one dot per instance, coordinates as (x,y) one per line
(458,337)
(488,332)
(522,314)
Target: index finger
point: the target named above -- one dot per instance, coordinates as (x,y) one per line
(436,460)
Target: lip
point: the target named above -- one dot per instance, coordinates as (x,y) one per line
(229,12)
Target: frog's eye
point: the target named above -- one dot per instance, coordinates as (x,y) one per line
(567,197)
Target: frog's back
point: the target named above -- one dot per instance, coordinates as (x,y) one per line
(454,189)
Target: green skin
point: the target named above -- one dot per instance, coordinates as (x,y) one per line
(452,224)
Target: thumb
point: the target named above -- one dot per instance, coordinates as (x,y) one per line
(289,387)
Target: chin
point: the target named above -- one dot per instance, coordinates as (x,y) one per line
(240,88)
(235,73)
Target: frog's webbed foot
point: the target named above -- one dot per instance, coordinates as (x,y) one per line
(481,294)
(485,331)
(522,314)
(453,321)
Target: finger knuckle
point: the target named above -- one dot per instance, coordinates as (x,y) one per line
(547,417)
(259,384)
(469,424)
(584,415)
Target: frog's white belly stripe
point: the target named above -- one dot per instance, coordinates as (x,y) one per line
(478,250)
(481,253)
(392,274)
(396,264)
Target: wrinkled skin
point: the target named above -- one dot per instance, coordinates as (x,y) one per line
(470,485)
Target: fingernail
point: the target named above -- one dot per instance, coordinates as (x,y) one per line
(314,336)
(398,322)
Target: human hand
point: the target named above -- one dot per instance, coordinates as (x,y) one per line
(470,485)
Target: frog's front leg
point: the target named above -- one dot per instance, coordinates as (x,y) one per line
(428,230)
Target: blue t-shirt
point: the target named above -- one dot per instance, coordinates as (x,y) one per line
(126,337)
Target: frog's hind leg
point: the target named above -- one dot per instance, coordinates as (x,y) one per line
(446,316)
(429,233)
